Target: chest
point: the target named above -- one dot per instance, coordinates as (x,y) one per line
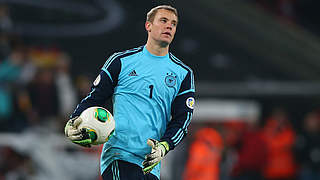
(151,79)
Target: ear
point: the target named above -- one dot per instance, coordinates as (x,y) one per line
(148,26)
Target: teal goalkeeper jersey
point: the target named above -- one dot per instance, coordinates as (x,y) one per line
(153,97)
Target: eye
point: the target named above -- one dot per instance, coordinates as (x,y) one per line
(163,20)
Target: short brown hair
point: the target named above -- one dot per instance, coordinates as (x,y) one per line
(152,13)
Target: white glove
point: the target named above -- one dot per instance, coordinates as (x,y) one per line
(158,151)
(80,137)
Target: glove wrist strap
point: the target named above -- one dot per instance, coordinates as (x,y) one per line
(165,145)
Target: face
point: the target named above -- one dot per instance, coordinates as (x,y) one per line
(163,27)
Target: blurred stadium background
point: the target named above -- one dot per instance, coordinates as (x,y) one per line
(257,71)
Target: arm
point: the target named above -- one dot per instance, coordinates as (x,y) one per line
(98,95)
(181,111)
(101,90)
(181,118)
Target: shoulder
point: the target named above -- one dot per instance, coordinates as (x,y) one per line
(188,73)
(125,53)
(115,57)
(179,62)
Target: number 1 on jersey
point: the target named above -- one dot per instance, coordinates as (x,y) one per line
(151,90)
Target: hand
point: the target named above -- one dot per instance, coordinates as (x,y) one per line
(81,137)
(158,151)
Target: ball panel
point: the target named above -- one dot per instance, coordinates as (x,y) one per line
(101,114)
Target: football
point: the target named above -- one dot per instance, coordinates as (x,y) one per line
(100,121)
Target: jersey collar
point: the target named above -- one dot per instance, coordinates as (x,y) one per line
(145,51)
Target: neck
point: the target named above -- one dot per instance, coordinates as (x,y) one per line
(157,49)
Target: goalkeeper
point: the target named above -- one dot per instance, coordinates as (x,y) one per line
(153,101)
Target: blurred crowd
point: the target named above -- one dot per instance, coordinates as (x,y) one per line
(251,150)
(35,82)
(36,92)
(36,86)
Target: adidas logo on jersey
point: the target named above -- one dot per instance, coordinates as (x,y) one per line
(133,73)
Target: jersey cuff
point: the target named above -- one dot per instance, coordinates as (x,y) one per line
(170,143)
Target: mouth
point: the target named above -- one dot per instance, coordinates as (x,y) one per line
(167,33)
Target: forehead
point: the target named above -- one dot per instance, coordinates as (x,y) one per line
(167,14)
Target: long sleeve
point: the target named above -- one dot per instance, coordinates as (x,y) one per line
(181,112)
(102,88)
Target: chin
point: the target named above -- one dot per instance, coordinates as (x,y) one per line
(164,43)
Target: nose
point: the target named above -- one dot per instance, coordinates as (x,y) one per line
(169,26)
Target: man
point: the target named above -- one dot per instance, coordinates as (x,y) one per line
(153,101)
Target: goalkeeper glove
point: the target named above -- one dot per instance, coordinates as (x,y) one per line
(158,151)
(83,137)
